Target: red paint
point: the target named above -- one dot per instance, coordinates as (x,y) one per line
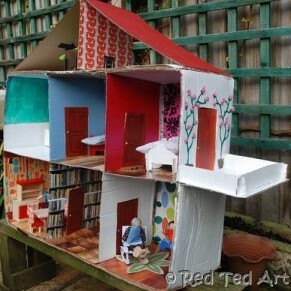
(134,132)
(30,182)
(206,138)
(128,95)
(75,210)
(76,124)
(139,29)
(22,211)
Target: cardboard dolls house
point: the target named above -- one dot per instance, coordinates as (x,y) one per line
(87,150)
(48,115)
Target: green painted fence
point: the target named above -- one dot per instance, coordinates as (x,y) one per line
(23,23)
(244,21)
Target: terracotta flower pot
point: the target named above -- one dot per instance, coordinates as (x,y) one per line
(247,252)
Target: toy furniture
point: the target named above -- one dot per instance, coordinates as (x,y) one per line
(203,102)
(132,236)
(161,155)
(28,192)
(33,220)
(96,150)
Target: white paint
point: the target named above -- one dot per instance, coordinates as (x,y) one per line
(28,139)
(194,81)
(117,189)
(162,156)
(24,135)
(239,177)
(199,229)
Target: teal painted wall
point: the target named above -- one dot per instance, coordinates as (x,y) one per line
(26,100)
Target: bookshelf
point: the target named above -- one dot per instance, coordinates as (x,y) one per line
(91,208)
(56,217)
(27,189)
(81,189)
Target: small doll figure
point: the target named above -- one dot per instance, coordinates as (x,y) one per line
(169,235)
(133,236)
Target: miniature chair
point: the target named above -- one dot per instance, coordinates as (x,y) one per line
(33,221)
(138,250)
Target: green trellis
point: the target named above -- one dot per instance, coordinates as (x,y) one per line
(231,37)
(23,23)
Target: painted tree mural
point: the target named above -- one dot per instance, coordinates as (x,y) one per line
(224,105)
(191,106)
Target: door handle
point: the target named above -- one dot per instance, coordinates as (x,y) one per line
(68,132)
(126,143)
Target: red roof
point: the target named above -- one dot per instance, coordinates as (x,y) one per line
(139,29)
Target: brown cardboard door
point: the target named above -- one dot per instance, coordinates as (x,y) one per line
(206,137)
(75,210)
(76,127)
(133,137)
(126,211)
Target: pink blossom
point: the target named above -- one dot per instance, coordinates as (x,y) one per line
(194,135)
(232,108)
(221,124)
(203,90)
(228,126)
(192,108)
(186,139)
(194,97)
(222,101)
(186,105)
(214,104)
(188,92)
(230,97)
(195,122)
(227,119)
(219,116)
(214,95)
(207,98)
(197,105)
(189,125)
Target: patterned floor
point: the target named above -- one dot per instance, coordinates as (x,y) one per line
(83,243)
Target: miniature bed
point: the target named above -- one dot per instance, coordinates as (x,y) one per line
(160,155)
(96,144)
(162,152)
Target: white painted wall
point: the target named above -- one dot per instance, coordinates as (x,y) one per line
(28,139)
(117,189)
(199,229)
(24,135)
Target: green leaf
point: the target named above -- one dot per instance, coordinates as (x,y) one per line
(134,260)
(155,269)
(163,263)
(158,257)
(137,267)
(62,57)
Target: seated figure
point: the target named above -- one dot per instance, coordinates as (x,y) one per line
(134,236)
(167,243)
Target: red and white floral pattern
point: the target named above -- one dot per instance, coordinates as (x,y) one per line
(99,37)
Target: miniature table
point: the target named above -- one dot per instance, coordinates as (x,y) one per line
(20,273)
